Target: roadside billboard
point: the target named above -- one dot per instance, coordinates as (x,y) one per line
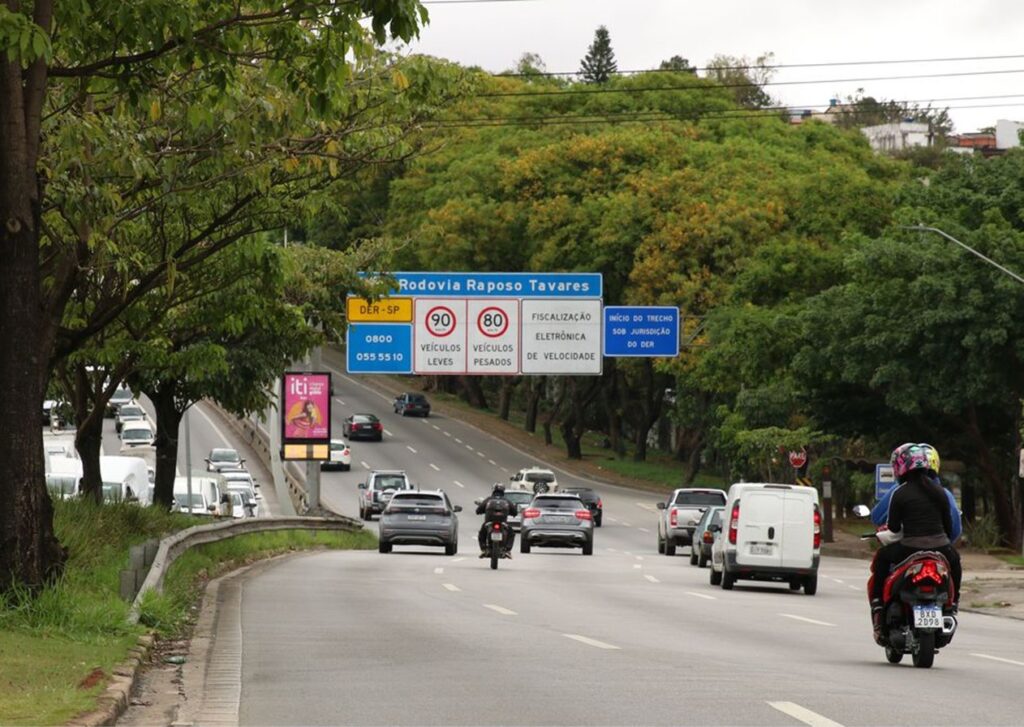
(306,413)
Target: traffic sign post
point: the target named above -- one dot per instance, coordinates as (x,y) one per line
(798,459)
(385,310)
(884,480)
(439,336)
(493,337)
(641,331)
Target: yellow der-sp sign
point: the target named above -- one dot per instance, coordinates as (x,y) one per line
(385,310)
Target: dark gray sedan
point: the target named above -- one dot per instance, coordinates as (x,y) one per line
(558,521)
(700,551)
(416,517)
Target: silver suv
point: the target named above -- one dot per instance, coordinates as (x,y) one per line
(376,492)
(559,521)
(680,513)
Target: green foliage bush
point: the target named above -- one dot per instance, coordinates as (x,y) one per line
(983,533)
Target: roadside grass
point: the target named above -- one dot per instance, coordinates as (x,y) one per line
(168,613)
(58,647)
(1017,560)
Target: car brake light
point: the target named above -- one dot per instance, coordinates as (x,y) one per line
(531,513)
(734,522)
(709,537)
(378,425)
(929,569)
(817,528)
(673,517)
(583,514)
(346,451)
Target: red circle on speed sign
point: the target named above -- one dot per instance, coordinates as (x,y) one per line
(492,322)
(798,459)
(440,321)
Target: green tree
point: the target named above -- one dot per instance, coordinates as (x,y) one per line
(677,63)
(599,63)
(745,78)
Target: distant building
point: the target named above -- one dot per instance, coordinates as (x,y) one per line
(897,137)
(1008,134)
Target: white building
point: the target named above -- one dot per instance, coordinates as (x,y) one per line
(897,136)
(1008,134)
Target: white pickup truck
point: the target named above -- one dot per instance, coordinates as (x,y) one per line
(680,513)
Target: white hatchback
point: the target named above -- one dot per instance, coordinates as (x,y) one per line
(341,457)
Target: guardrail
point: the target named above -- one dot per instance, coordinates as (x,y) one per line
(173,546)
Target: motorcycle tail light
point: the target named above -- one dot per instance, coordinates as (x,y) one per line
(497,526)
(673,517)
(583,515)
(930,570)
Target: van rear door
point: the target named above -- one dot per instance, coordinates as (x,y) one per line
(798,529)
(759,537)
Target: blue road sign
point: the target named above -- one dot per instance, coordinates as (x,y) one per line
(499,285)
(884,480)
(641,331)
(379,348)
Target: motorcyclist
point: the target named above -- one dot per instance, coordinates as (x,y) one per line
(925,515)
(496,509)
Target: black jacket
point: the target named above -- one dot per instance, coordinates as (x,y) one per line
(497,509)
(920,510)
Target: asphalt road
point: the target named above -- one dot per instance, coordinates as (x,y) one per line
(623,637)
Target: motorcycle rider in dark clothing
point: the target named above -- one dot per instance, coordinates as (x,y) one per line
(920,511)
(496,509)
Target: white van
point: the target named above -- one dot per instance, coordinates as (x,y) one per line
(206,491)
(769,532)
(126,479)
(62,477)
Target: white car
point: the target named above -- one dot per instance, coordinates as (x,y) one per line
(341,457)
(242,477)
(535,479)
(224,458)
(136,434)
(130,412)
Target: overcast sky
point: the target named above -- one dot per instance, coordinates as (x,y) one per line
(494,34)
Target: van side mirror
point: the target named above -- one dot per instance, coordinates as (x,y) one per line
(362,485)
(716,528)
(662,505)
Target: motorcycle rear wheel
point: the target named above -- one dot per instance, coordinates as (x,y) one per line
(924,656)
(494,558)
(893,656)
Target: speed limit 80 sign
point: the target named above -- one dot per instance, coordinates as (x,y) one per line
(493,337)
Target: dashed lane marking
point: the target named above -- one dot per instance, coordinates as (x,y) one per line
(705,596)
(500,609)
(438,571)
(493,463)
(388,433)
(651,578)
(590,642)
(434,467)
(458,441)
(806,620)
(435,426)
(637,565)
(481,454)
(802,714)
(447,434)
(341,402)
(627,525)
(365,466)
(451,587)
(459,484)
(410,449)
(999,658)
(638,557)
(456,560)
(469,447)
(647,506)
(643,530)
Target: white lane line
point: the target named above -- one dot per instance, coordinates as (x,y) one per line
(469,447)
(627,552)
(998,658)
(637,565)
(590,642)
(451,587)
(341,402)
(643,530)
(647,506)
(802,714)
(438,571)
(227,442)
(500,609)
(426,422)
(434,426)
(434,467)
(388,433)
(458,483)
(836,580)
(365,466)
(651,578)
(505,470)
(481,454)
(410,449)
(456,560)
(611,550)
(493,463)
(705,596)
(457,440)
(627,525)
(638,557)
(447,434)
(806,620)
(854,588)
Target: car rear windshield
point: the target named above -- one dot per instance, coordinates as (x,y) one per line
(557,503)
(716,518)
(395,482)
(417,398)
(224,455)
(337,446)
(519,498)
(364,418)
(700,498)
(136,434)
(540,477)
(403,504)
(130,411)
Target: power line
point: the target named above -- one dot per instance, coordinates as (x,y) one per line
(714,86)
(772,66)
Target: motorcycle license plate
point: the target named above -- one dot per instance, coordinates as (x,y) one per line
(496,536)
(927,617)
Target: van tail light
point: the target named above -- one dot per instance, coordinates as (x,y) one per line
(673,517)
(817,527)
(583,515)
(734,523)
(530,513)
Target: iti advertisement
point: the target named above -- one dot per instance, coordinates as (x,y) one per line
(307,406)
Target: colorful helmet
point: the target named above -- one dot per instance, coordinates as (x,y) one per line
(909,457)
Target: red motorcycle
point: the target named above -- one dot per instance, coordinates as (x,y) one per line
(917,612)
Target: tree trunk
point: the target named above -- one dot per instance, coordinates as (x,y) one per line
(692,465)
(997,478)
(89,443)
(550,417)
(534,391)
(573,448)
(168,423)
(508,386)
(473,392)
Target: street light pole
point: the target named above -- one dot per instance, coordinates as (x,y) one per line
(968,248)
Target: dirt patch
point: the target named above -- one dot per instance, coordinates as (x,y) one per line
(95,677)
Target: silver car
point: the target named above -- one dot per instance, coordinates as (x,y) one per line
(558,521)
(521,499)
(415,517)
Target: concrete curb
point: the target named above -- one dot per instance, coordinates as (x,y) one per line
(113,702)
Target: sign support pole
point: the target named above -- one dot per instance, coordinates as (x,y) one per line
(284,497)
(313,467)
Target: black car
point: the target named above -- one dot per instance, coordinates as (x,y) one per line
(590,498)
(363,426)
(409,403)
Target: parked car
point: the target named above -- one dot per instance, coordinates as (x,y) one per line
(224,458)
(409,403)
(704,537)
(136,434)
(769,532)
(122,396)
(558,521)
(341,457)
(376,492)
(521,499)
(363,426)
(679,515)
(590,498)
(130,412)
(420,517)
(535,479)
